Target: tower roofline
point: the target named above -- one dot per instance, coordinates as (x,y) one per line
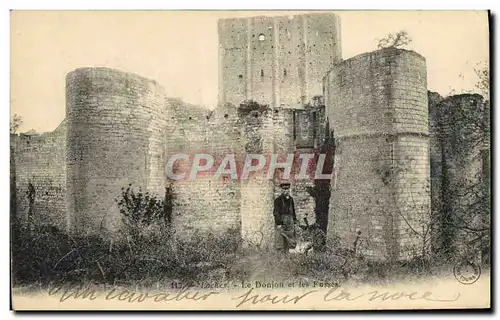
(281,16)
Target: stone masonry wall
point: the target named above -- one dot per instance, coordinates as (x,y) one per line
(186,134)
(284,133)
(377,106)
(435,154)
(41,161)
(360,196)
(277,61)
(116,124)
(460,169)
(289,126)
(121,129)
(413,195)
(206,204)
(257,222)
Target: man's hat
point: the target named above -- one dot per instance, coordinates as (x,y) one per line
(285,185)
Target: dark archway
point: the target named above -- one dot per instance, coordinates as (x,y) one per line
(321,191)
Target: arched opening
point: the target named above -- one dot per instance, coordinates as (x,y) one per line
(322,189)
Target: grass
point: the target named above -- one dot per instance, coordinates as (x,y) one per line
(44,256)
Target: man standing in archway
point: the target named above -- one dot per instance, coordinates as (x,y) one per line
(285,220)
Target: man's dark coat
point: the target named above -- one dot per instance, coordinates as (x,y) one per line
(283,206)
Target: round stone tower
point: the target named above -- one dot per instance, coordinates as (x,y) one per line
(115,138)
(377,106)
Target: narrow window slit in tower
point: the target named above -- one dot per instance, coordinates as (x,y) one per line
(261,72)
(284,72)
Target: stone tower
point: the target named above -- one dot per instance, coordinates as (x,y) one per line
(276,61)
(377,106)
(115,137)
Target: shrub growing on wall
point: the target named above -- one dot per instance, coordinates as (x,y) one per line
(141,210)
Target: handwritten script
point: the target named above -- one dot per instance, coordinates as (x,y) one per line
(248,298)
(89,293)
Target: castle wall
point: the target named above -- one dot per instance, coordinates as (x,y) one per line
(323,49)
(305,130)
(121,129)
(377,106)
(234,71)
(273,131)
(435,157)
(186,127)
(206,205)
(41,161)
(257,202)
(277,61)
(112,116)
(460,169)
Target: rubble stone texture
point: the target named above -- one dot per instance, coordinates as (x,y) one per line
(377,105)
(121,128)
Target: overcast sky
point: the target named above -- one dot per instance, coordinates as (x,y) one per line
(179,50)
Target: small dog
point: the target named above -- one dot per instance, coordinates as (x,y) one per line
(302,247)
(311,238)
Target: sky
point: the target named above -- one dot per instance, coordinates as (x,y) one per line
(179,50)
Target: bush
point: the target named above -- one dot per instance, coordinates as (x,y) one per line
(48,255)
(35,252)
(148,252)
(45,254)
(141,210)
